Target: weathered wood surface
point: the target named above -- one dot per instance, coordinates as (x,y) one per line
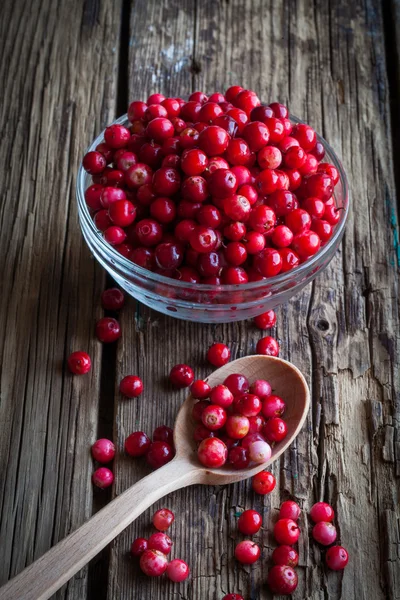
(335,65)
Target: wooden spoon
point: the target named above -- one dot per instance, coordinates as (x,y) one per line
(44,577)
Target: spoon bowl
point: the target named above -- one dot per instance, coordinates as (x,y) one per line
(45,576)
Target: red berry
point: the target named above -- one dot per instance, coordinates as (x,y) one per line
(290,259)
(136,110)
(286,531)
(138,175)
(256,424)
(235,231)
(282,579)
(213,140)
(138,547)
(315,207)
(117,136)
(159,454)
(273,406)
(163,209)
(235,253)
(298,220)
(260,451)
(155,99)
(324,533)
(153,563)
(262,218)
(221,396)
(154,111)
(268,263)
(198,97)
(169,256)
(112,299)
(193,162)
(237,207)
(237,384)
(122,213)
(239,116)
(248,405)
(203,239)
(209,264)
(209,216)
(306,244)
(289,510)
(163,434)
(263,483)
(282,236)
(181,376)
(238,152)
(237,426)
(110,195)
(230,94)
(256,135)
(275,430)
(149,232)
(265,320)
(276,129)
(239,457)
(166,181)
(214,417)
(261,388)
(163,518)
(222,183)
(114,235)
(233,596)
(282,203)
(94,163)
(218,354)
(247,100)
(322,511)
(269,157)
(159,129)
(103,450)
(285,556)
(305,135)
(247,552)
(160,541)
(137,444)
(108,330)
(102,478)
(212,453)
(79,363)
(200,389)
(322,228)
(267,182)
(249,522)
(250,438)
(93,196)
(319,185)
(254,242)
(178,570)
(336,558)
(330,170)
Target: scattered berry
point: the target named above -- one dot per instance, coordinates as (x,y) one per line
(108,330)
(79,363)
(324,533)
(138,547)
(131,386)
(102,478)
(268,346)
(163,519)
(249,522)
(285,555)
(263,483)
(282,579)
(336,558)
(181,376)
(286,531)
(178,570)
(103,451)
(289,510)
(247,552)
(137,444)
(153,563)
(112,299)
(322,511)
(159,454)
(160,541)
(265,320)
(218,354)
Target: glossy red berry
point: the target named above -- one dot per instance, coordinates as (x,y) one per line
(282,579)
(112,299)
(163,519)
(336,558)
(93,196)
(323,229)
(117,136)
(137,444)
(246,100)
(114,235)
(222,183)
(305,135)
(268,263)
(265,320)
(79,363)
(108,330)
(200,389)
(262,218)
(249,522)
(212,453)
(160,541)
(261,388)
(166,181)
(322,511)
(237,426)
(282,236)
(203,239)
(136,110)
(260,451)
(298,220)
(214,417)
(213,140)
(238,152)
(306,244)
(247,552)
(159,454)
(237,207)
(138,547)
(319,185)
(285,555)
(148,232)
(290,259)
(153,563)
(238,384)
(218,354)
(221,396)
(102,478)
(273,406)
(256,424)
(263,483)
(169,256)
(239,457)
(275,430)
(289,510)
(324,533)
(248,405)
(163,434)
(286,531)
(330,170)
(193,162)
(269,157)
(332,214)
(181,376)
(94,163)
(178,570)
(256,135)
(103,451)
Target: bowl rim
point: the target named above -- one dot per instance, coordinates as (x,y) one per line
(127,265)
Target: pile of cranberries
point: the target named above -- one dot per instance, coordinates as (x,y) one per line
(216,190)
(153,552)
(236,423)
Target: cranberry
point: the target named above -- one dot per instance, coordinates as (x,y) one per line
(256,135)
(108,330)
(330,170)
(210,111)
(217,97)
(125,250)
(154,111)
(289,259)
(195,189)
(237,384)
(239,457)
(310,165)
(163,210)
(171,147)
(298,220)
(79,363)
(260,113)
(198,97)
(149,232)
(250,438)
(114,235)
(282,579)
(138,175)
(153,563)
(285,555)
(235,231)
(273,406)
(324,533)
(93,196)
(275,430)
(265,321)
(269,157)
(138,547)
(144,257)
(239,116)
(94,163)
(137,444)
(218,354)
(289,510)
(332,214)
(233,596)
(111,177)
(295,157)
(227,123)
(286,531)
(212,453)
(166,181)
(172,107)
(190,111)
(322,511)
(254,242)
(136,110)
(237,207)
(209,264)
(336,558)
(315,207)
(262,219)
(267,181)
(249,522)
(256,424)
(248,405)
(193,162)
(122,213)
(203,239)
(215,163)
(247,552)
(294,179)
(249,192)
(260,451)
(234,276)
(160,541)
(263,483)
(169,256)
(163,434)
(246,100)
(102,478)
(213,417)
(163,519)
(268,263)
(181,376)
(117,136)
(235,253)
(159,129)
(305,135)
(151,154)
(237,426)
(178,570)
(200,390)
(222,183)
(306,244)
(322,228)
(230,94)
(103,450)
(282,236)
(155,99)
(112,299)
(184,229)
(209,216)
(221,396)
(213,140)
(318,185)
(159,454)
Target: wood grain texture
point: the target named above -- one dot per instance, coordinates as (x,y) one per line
(57,72)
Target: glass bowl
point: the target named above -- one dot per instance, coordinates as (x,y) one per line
(201,302)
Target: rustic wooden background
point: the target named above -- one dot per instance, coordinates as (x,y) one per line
(67,69)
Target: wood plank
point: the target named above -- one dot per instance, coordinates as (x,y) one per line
(58,68)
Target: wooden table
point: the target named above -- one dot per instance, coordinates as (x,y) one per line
(67,69)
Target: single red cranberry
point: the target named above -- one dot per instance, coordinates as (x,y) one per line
(310,165)
(336,558)
(273,406)
(249,192)
(254,242)
(138,547)
(324,533)
(94,162)
(227,123)
(163,209)
(200,389)
(125,250)
(79,363)
(213,140)
(203,239)
(260,451)
(222,183)
(248,405)
(160,541)
(131,386)
(136,110)
(269,157)
(144,257)
(319,185)
(306,244)
(298,220)
(149,232)
(239,116)
(155,111)
(163,519)
(234,276)
(286,531)
(136,141)
(195,189)
(155,99)
(233,597)
(210,111)
(221,396)
(305,135)
(268,346)
(166,181)
(212,453)
(93,196)
(188,138)
(235,231)
(290,259)
(256,135)
(235,253)
(330,170)
(111,177)
(282,579)
(145,194)
(102,478)
(332,214)
(171,147)
(315,207)
(172,107)
(237,207)
(295,179)
(117,136)
(285,555)
(194,161)
(289,510)
(209,264)
(153,563)
(263,483)
(151,154)
(217,97)
(108,330)
(209,216)
(122,213)
(267,181)
(238,152)
(169,255)
(280,110)
(238,384)
(260,113)
(109,195)
(318,151)
(214,417)
(268,262)
(246,100)
(103,451)
(261,388)
(276,129)
(237,426)
(102,220)
(282,202)
(112,299)
(256,424)
(138,175)
(275,430)
(181,376)
(323,229)
(178,570)
(295,157)
(282,236)
(247,552)
(283,182)
(322,511)
(262,219)
(184,229)
(249,522)
(159,454)
(198,97)
(265,320)
(218,354)
(230,94)
(188,274)
(137,444)
(190,111)
(238,457)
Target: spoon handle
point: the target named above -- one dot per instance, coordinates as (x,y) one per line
(45,576)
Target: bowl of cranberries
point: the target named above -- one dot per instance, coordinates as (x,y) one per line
(213,209)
